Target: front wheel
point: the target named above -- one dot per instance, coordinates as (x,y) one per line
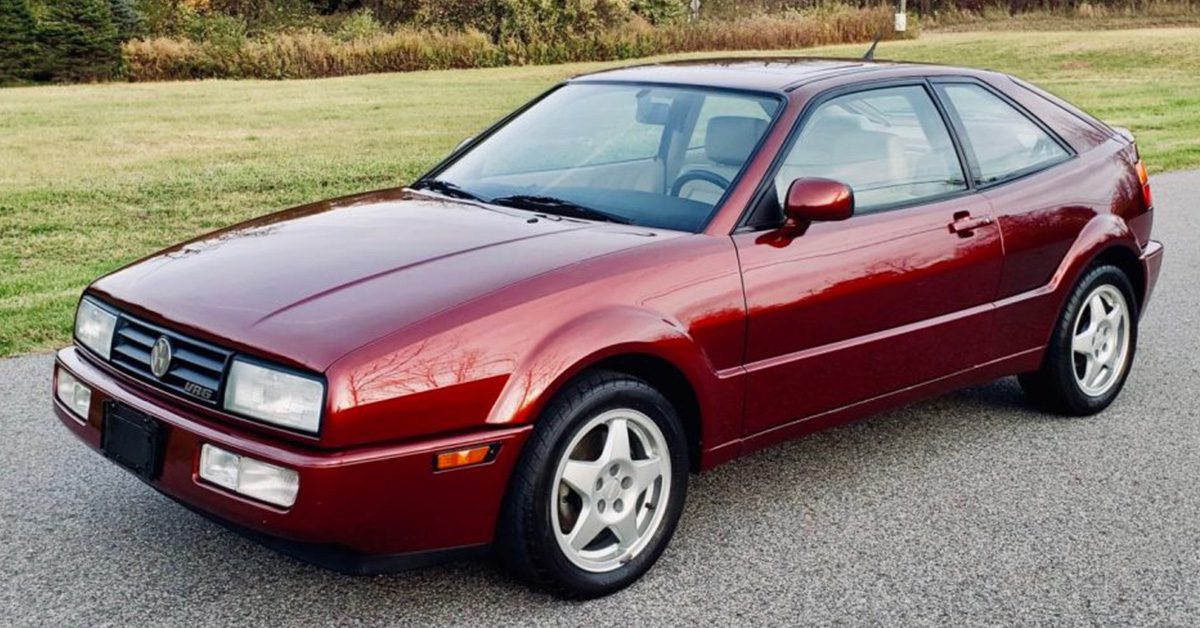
(1091,349)
(599,488)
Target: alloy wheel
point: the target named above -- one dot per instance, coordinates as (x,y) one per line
(610,490)
(1100,340)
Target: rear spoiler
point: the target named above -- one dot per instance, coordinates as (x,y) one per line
(1124,133)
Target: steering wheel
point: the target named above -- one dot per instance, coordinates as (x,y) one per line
(699,175)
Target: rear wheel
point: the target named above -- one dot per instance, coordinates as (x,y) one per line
(1092,346)
(599,488)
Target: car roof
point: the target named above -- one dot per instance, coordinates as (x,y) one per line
(758,73)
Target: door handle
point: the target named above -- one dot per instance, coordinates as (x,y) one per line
(965,225)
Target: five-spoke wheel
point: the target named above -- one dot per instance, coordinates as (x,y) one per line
(599,487)
(1091,348)
(1101,340)
(609,489)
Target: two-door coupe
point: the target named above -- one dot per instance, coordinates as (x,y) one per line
(642,273)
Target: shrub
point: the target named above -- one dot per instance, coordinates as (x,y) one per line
(220,30)
(165,58)
(265,15)
(360,24)
(660,11)
(525,20)
(19,58)
(167,17)
(79,41)
(393,11)
(312,54)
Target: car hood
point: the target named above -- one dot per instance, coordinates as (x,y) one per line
(307,285)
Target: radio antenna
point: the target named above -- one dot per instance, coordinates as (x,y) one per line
(870,56)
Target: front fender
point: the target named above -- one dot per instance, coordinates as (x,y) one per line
(585,341)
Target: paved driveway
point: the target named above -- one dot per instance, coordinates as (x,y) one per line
(970,509)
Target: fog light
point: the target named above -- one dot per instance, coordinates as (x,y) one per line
(73,394)
(249,477)
(267,482)
(219,466)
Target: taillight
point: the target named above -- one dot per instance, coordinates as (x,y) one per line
(1144,179)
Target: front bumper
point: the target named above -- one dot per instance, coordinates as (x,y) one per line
(359,510)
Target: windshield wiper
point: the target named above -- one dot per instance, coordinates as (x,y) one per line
(445,187)
(558,206)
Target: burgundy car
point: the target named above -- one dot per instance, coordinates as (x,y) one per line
(643,273)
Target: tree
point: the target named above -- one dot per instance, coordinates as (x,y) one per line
(18,41)
(126,19)
(79,41)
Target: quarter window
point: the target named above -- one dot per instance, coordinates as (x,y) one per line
(889,145)
(1004,141)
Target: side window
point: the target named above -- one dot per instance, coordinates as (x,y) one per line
(890,145)
(1004,141)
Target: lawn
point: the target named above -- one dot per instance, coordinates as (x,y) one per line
(92,177)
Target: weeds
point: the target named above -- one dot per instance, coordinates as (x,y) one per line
(364,49)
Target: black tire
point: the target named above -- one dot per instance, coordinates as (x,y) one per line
(525,541)
(1053,387)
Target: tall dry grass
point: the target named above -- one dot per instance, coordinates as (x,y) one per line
(314,55)
(1052,15)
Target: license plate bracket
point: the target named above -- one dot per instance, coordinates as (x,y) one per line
(133,439)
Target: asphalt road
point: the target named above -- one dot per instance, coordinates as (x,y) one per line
(969,509)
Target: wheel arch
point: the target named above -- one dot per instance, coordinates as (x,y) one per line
(641,344)
(668,379)
(1130,264)
(1106,239)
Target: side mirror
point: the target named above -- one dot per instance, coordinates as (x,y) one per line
(464,143)
(813,200)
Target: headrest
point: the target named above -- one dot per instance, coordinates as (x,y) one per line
(729,139)
(830,125)
(863,146)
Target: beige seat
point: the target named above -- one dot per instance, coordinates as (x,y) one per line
(837,146)
(728,142)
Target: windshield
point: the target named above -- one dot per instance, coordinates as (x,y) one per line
(636,154)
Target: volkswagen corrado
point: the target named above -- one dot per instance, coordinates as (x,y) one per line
(641,274)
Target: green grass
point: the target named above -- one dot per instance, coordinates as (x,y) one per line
(93,177)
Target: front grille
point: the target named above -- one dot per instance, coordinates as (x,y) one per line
(197,369)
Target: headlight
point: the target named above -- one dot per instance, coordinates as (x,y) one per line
(274,396)
(94,327)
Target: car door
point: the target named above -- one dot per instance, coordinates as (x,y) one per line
(897,295)
(1041,203)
